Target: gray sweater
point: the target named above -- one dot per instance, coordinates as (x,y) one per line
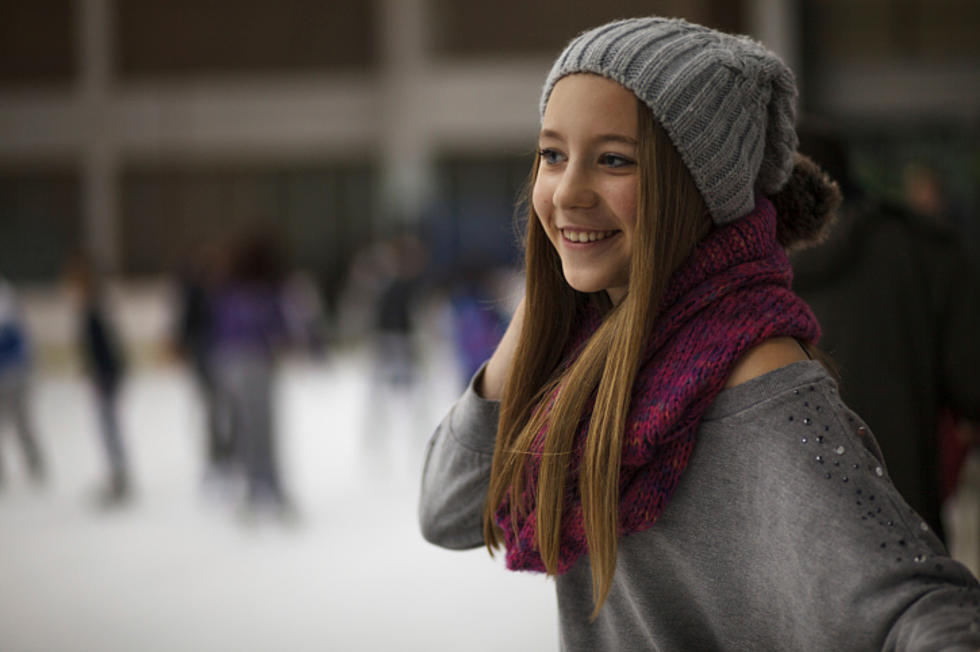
(785,533)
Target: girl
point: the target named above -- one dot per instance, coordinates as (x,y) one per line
(652,429)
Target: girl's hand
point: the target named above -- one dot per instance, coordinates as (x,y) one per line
(491,385)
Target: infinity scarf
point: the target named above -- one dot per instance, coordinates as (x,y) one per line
(730,294)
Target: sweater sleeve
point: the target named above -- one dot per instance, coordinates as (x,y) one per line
(456,473)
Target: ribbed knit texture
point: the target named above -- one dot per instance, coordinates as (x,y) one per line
(732,293)
(726,102)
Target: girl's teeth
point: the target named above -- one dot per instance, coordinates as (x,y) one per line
(586,236)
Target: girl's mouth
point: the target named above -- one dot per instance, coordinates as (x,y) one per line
(571,235)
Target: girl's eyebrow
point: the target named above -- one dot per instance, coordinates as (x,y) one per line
(616,138)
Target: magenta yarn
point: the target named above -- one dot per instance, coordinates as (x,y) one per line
(732,293)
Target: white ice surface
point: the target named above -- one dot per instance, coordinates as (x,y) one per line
(178,570)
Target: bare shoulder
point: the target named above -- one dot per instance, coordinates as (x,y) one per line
(764,357)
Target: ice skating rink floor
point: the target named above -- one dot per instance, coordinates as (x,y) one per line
(179,569)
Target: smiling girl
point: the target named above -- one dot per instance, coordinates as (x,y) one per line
(652,430)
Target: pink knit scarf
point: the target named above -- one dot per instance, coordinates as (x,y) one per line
(732,293)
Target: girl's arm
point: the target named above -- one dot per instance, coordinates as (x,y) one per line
(457,464)
(456,474)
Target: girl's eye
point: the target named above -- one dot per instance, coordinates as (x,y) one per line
(550,156)
(615,161)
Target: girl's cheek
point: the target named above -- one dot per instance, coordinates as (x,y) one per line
(541,200)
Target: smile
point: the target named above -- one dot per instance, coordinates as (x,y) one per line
(585,236)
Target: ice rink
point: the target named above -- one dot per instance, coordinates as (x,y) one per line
(178,569)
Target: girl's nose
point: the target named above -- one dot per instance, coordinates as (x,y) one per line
(574,189)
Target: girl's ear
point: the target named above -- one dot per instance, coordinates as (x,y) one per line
(806,207)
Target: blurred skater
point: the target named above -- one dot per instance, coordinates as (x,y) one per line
(194,342)
(305,313)
(401,262)
(392,405)
(248,332)
(478,321)
(105,363)
(15,380)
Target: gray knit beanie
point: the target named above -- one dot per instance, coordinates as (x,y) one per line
(726,102)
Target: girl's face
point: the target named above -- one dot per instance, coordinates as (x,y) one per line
(585,191)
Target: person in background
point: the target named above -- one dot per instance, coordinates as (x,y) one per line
(193,335)
(924,194)
(305,314)
(478,321)
(105,363)
(248,331)
(401,261)
(899,304)
(652,430)
(15,368)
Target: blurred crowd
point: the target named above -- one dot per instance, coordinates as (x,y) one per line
(239,309)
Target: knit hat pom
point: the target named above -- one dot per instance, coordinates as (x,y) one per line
(806,206)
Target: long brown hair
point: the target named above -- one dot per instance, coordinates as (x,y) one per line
(671,218)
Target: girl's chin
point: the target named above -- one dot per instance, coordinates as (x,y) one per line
(588,286)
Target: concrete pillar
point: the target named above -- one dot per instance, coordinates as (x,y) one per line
(776,23)
(99,158)
(407,174)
